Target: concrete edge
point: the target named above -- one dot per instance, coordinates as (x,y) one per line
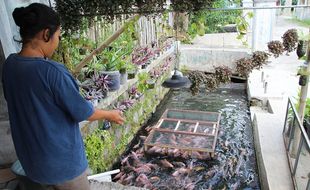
(260,163)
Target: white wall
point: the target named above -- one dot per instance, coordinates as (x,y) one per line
(8,29)
(205,59)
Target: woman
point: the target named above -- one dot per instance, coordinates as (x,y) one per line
(45,106)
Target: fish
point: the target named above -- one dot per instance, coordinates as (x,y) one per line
(165,163)
(170,152)
(153,149)
(189,186)
(152,166)
(128,179)
(143,169)
(140,151)
(198,168)
(137,145)
(125,160)
(121,179)
(185,155)
(235,186)
(148,128)
(142,180)
(210,173)
(196,154)
(181,171)
(179,164)
(159,150)
(135,156)
(173,137)
(119,175)
(154,179)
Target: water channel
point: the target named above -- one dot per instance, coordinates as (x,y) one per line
(234,165)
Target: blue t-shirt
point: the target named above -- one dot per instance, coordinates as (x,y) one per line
(45,108)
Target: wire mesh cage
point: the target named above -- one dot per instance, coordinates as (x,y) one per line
(184,132)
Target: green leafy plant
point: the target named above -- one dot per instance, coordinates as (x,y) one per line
(142,84)
(96,145)
(113,59)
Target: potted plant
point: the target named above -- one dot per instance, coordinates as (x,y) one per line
(150,83)
(301,48)
(142,56)
(122,68)
(134,93)
(290,40)
(95,88)
(131,70)
(304,76)
(111,59)
(302,43)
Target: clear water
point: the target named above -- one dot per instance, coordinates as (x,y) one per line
(234,165)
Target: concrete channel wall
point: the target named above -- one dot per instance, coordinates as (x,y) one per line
(197,57)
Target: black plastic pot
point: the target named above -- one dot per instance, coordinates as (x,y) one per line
(131,74)
(150,84)
(301,48)
(143,66)
(303,79)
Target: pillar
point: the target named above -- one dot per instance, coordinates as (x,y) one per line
(263,24)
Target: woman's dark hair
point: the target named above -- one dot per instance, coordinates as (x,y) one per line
(34,18)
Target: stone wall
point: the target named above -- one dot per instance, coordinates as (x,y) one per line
(205,59)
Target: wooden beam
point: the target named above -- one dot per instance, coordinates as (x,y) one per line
(105,44)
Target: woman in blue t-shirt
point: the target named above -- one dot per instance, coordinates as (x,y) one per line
(45,106)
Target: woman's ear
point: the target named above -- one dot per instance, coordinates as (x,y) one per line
(46,35)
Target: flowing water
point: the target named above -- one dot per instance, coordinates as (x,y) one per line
(234,164)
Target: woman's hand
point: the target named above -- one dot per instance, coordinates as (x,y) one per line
(115,116)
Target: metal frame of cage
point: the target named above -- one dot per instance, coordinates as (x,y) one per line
(213,135)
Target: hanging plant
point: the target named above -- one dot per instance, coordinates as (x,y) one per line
(211,82)
(259,58)
(198,78)
(276,48)
(223,73)
(244,66)
(290,40)
(73,12)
